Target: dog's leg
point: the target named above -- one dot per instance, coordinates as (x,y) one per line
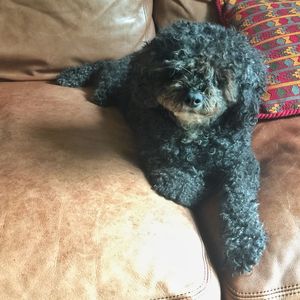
(76,76)
(107,76)
(111,80)
(171,176)
(182,186)
(168,168)
(243,233)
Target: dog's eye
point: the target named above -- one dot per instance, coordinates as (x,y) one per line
(177,85)
(172,73)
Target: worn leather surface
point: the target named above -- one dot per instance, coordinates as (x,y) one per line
(277,146)
(166,12)
(78,220)
(39,38)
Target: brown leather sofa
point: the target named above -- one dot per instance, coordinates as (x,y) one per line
(78,219)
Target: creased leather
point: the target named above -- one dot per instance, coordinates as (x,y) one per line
(78,220)
(40,38)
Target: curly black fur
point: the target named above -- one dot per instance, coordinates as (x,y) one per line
(191,96)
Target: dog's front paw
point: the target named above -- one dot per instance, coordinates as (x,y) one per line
(68,77)
(177,185)
(102,95)
(75,76)
(244,251)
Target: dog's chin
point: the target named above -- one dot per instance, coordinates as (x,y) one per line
(192,118)
(188,120)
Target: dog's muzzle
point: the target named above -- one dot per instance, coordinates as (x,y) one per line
(194,99)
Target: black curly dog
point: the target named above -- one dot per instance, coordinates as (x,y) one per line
(191,96)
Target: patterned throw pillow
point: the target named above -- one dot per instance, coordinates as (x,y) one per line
(274,28)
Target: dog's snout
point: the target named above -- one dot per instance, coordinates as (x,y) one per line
(194,99)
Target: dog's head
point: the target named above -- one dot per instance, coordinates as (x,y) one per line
(198,71)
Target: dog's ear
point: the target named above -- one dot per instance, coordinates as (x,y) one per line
(253,85)
(149,72)
(231,82)
(255,74)
(227,83)
(246,89)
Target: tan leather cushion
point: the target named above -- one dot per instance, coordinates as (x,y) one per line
(166,12)
(277,146)
(38,38)
(78,220)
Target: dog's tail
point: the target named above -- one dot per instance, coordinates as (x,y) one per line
(108,77)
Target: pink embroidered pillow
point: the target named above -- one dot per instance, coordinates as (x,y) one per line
(274,28)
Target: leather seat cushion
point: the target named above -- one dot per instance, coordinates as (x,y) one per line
(78,220)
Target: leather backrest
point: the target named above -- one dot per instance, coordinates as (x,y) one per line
(40,38)
(166,12)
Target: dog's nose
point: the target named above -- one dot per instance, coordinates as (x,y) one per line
(194,99)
